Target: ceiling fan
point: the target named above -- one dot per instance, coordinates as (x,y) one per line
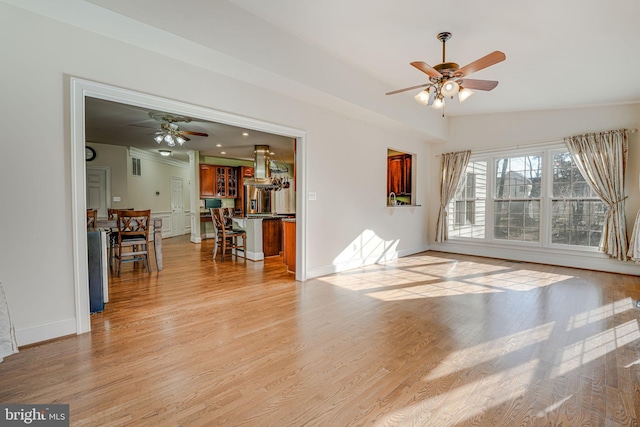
(447,78)
(169,131)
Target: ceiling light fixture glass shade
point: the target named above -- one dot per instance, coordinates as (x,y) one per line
(170,134)
(464,94)
(449,88)
(165,153)
(423,97)
(438,103)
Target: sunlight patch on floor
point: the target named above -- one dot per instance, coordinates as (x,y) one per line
(487,351)
(431,290)
(468,399)
(428,276)
(520,280)
(600,313)
(582,352)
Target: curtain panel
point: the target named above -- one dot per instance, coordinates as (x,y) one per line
(601,158)
(453,166)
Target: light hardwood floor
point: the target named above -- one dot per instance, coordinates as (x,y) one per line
(429,340)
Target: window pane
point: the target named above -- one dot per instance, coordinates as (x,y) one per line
(467,209)
(577,222)
(517,220)
(579,217)
(518,177)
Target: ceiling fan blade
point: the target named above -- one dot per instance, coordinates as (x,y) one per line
(427,69)
(406,89)
(479,64)
(186,132)
(184,137)
(478,84)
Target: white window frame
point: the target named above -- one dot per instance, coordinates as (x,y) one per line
(546,199)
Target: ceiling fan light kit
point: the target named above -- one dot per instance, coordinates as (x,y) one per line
(447,78)
(169,131)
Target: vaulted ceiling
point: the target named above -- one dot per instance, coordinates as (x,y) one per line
(345,55)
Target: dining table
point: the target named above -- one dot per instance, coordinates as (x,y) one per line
(112,224)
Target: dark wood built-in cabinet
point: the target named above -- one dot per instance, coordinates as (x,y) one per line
(399,175)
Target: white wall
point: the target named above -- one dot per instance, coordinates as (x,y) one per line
(346,163)
(511,130)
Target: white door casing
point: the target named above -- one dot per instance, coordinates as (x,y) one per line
(80,89)
(177,206)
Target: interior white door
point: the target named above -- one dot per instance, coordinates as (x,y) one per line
(97,190)
(177,206)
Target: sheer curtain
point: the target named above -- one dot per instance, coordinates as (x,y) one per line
(601,158)
(8,344)
(453,166)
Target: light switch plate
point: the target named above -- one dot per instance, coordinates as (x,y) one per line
(116,198)
(312,195)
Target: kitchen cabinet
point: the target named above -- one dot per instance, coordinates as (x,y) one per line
(207,173)
(289,244)
(271,236)
(399,174)
(226,182)
(218,181)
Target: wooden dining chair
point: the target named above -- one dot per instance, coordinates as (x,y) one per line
(92,218)
(226,238)
(112,214)
(133,237)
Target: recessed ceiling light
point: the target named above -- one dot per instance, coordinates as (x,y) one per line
(165,153)
(218,145)
(272,153)
(223,152)
(245,134)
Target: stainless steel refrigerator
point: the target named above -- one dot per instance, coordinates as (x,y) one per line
(257,200)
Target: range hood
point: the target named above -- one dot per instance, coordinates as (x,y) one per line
(261,168)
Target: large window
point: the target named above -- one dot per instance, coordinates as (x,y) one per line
(538,198)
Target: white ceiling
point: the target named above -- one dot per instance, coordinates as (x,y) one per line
(345,55)
(108,122)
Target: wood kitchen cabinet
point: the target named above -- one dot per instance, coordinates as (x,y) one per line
(226,182)
(218,181)
(289,244)
(207,173)
(399,174)
(271,236)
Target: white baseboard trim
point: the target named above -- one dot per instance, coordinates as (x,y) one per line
(44,332)
(587,260)
(255,256)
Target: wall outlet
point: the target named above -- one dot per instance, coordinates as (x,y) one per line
(312,195)
(116,198)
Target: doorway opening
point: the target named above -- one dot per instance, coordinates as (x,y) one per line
(80,89)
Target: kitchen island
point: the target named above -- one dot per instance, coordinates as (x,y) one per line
(264,233)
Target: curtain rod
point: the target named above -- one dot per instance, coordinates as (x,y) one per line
(532,145)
